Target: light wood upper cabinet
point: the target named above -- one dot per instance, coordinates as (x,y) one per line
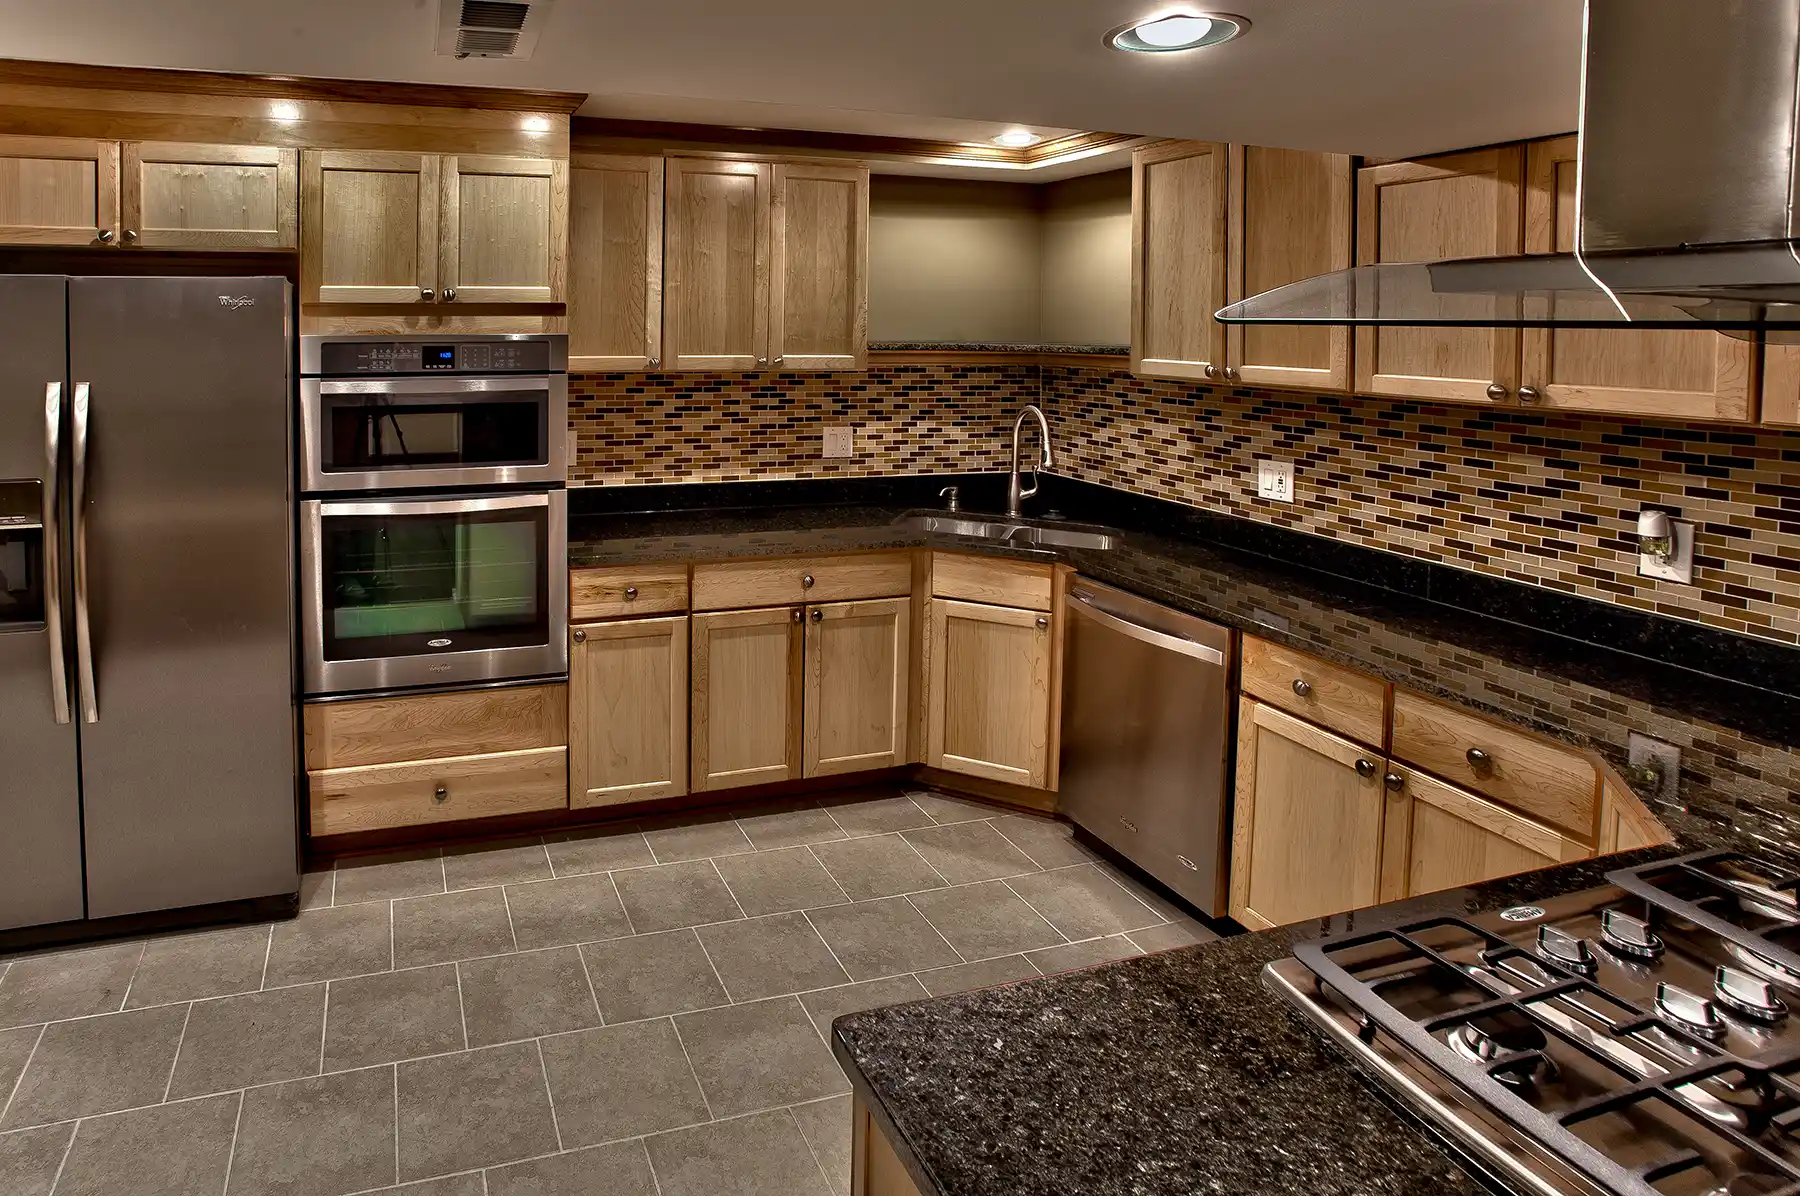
(818,275)
(503,232)
(1435,209)
(858,655)
(58,191)
(369,226)
(628,711)
(716,233)
(1439,836)
(175,195)
(1306,838)
(1290,217)
(746,686)
(988,670)
(1781,384)
(1675,374)
(615,262)
(1178,253)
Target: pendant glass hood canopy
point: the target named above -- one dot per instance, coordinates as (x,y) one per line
(1686,196)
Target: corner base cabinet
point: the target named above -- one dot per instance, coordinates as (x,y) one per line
(989,708)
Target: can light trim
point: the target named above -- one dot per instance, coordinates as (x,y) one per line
(1172,32)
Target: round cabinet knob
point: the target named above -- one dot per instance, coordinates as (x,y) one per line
(631,593)
(653,363)
(1302,687)
(1212,372)
(449,294)
(426,294)
(1497,392)
(1365,768)
(1529,394)
(797,615)
(779,360)
(131,234)
(580,636)
(104,236)
(1043,624)
(441,794)
(762,361)
(1394,781)
(806,580)
(1231,375)
(818,616)
(1479,760)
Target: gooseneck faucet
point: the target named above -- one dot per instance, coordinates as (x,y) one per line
(1015,496)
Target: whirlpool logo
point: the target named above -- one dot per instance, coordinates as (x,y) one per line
(236,301)
(437,643)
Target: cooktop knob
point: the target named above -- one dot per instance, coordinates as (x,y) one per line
(1561,947)
(1629,936)
(1747,996)
(1693,1014)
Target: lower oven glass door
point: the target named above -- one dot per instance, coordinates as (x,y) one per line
(434,590)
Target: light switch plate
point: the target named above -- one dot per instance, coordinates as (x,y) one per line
(1275,480)
(840,441)
(1646,752)
(574,446)
(1680,569)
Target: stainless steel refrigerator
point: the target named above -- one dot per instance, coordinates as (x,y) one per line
(147,717)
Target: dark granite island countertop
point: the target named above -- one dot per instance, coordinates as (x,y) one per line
(1174,1073)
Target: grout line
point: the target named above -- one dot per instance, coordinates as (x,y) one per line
(324,1025)
(462,1013)
(935,871)
(848,977)
(509,922)
(644,1145)
(331,897)
(544,1070)
(723,987)
(268,950)
(236,1123)
(68,1149)
(954,949)
(848,900)
(180,1041)
(620,898)
(817,1162)
(394,1071)
(1040,913)
(715,867)
(18,1082)
(593,993)
(142,947)
(705,1102)
(391,955)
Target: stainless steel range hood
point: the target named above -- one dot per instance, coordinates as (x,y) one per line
(1686,191)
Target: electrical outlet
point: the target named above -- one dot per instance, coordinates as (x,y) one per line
(574,446)
(840,441)
(1655,767)
(1275,480)
(1681,567)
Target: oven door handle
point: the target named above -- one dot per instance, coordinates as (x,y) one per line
(447,506)
(427,387)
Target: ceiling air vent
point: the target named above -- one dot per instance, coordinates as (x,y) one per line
(490,28)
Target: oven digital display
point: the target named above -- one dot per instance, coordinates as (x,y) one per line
(438,357)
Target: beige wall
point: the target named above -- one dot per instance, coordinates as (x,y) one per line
(1085,294)
(971,260)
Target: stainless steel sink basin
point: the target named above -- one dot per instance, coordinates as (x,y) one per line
(1013,531)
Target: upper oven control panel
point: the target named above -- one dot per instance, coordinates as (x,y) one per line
(363,356)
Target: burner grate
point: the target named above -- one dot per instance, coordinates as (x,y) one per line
(1744,899)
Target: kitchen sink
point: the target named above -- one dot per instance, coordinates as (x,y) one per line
(1012,531)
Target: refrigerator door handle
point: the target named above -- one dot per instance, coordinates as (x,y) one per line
(53,599)
(84,647)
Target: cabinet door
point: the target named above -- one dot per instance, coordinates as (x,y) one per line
(181,196)
(1178,235)
(615,262)
(1435,209)
(1781,384)
(1306,836)
(368,227)
(628,711)
(1676,374)
(857,655)
(58,191)
(716,272)
(746,697)
(1290,219)
(1445,836)
(989,713)
(819,272)
(504,229)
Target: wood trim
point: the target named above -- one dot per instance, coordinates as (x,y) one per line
(814,702)
(583,711)
(1243,821)
(652,166)
(19,71)
(1059,637)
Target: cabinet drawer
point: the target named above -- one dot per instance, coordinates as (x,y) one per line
(468,723)
(627,590)
(1541,778)
(381,796)
(991,580)
(738,585)
(1344,700)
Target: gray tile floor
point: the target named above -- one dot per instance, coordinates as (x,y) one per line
(636,1011)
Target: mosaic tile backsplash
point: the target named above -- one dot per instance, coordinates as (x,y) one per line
(1547,500)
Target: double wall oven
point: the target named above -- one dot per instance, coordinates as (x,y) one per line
(433,534)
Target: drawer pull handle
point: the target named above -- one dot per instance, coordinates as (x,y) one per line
(441,794)
(1187,863)
(806,580)
(1394,781)
(630,593)
(1302,687)
(1479,760)
(580,636)
(1129,825)
(1365,769)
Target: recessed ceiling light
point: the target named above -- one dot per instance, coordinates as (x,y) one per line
(1177,31)
(1017,138)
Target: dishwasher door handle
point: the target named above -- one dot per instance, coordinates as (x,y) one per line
(1148,635)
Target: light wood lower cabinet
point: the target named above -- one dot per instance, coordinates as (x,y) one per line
(1306,840)
(875,1169)
(988,710)
(628,701)
(857,658)
(1439,836)
(747,694)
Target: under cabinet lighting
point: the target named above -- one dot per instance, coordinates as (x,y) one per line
(1017,138)
(1175,31)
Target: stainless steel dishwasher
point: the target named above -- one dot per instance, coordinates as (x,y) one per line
(1145,734)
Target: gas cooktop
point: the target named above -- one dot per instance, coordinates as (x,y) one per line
(1630,1040)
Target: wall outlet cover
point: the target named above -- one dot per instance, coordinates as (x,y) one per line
(1275,480)
(840,441)
(1681,569)
(1660,763)
(574,446)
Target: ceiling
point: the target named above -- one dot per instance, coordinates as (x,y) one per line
(1377,77)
